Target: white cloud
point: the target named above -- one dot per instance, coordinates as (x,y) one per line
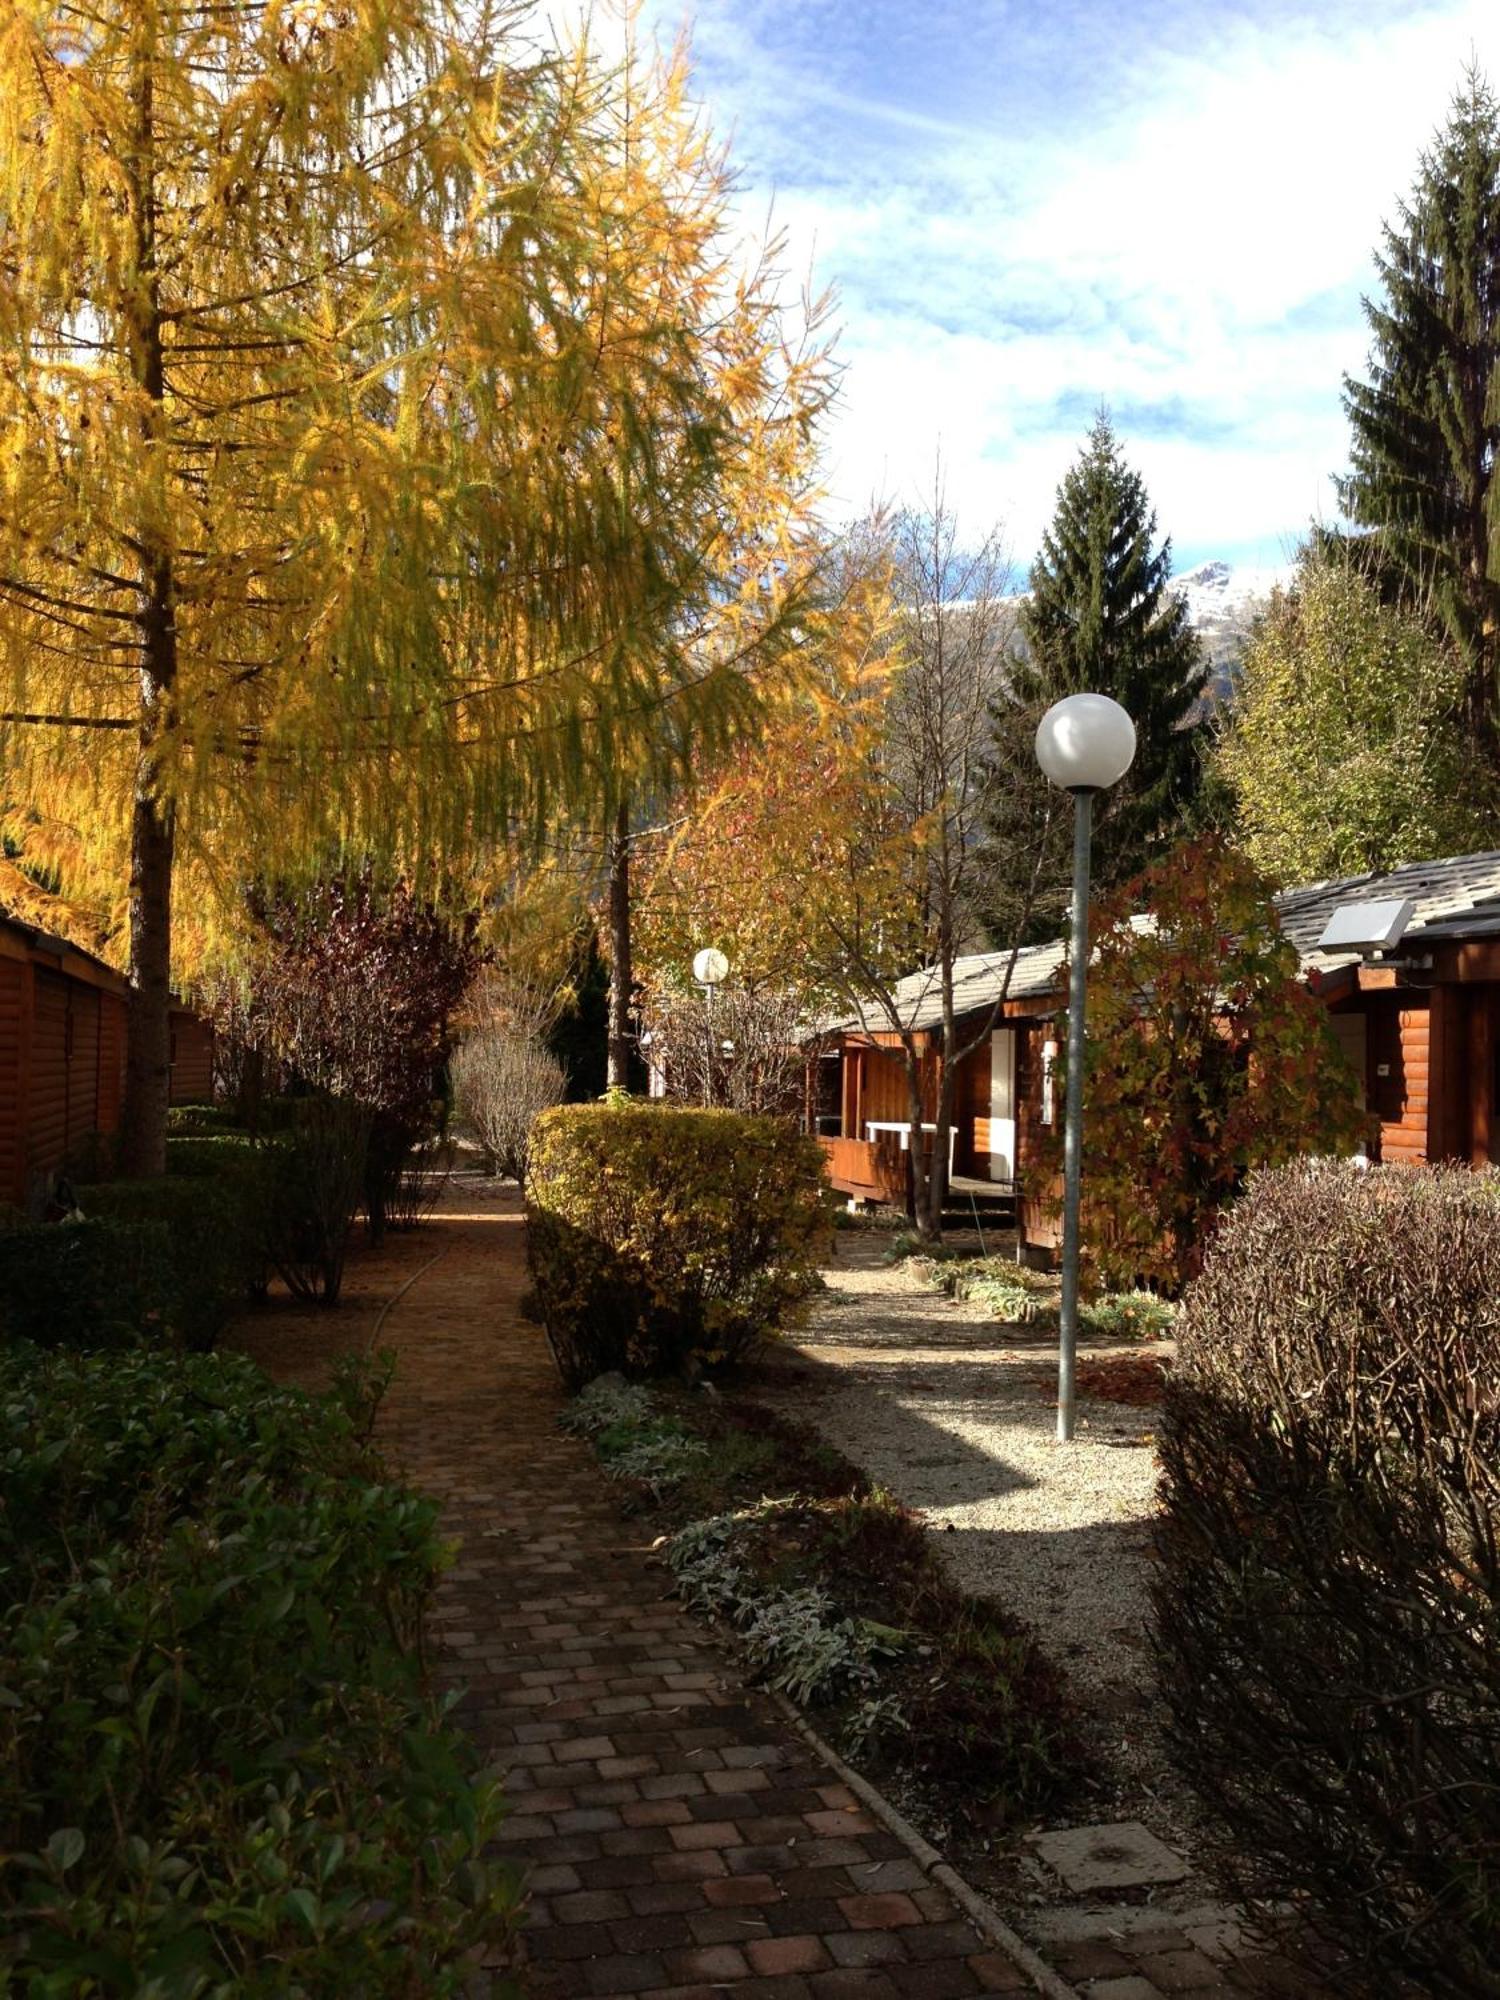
(1033,218)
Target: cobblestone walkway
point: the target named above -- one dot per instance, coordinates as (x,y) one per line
(681,1841)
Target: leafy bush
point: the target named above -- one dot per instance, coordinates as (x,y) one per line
(1207,1059)
(633,1436)
(202,1120)
(320,1174)
(219,1771)
(210,1265)
(1128,1316)
(1328,1600)
(502,1083)
(794,1639)
(661,1238)
(93,1283)
(298,1191)
(352,987)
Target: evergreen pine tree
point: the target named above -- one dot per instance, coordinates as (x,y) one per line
(1100,618)
(1427,423)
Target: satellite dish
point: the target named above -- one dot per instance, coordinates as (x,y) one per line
(710,966)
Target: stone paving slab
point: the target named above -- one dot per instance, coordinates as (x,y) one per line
(680,1840)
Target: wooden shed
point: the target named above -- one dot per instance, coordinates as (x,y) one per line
(62,1059)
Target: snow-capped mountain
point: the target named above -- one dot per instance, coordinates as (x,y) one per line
(1223,600)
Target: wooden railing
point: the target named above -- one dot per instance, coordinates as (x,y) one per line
(870,1170)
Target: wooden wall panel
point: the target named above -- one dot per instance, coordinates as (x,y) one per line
(111,1085)
(1041,1229)
(192,1078)
(47,1127)
(82,1083)
(14,990)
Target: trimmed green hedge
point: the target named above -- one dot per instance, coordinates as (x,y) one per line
(220,1771)
(662,1238)
(212,1261)
(104,1283)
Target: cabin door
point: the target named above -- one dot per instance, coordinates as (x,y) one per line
(1003,1104)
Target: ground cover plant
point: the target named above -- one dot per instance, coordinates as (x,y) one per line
(1023,1297)
(663,1239)
(836,1597)
(220,1769)
(1328,1585)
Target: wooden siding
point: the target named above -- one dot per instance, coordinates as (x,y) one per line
(111,1062)
(15,983)
(1398,1073)
(192,1079)
(46,1136)
(1041,1227)
(867,1171)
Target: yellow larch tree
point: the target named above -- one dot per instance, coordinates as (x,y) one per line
(389,445)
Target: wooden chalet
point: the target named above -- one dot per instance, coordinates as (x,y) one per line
(62,1060)
(1418,1016)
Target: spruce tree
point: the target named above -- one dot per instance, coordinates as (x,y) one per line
(1101,617)
(1427,423)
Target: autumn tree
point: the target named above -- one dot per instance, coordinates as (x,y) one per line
(1206,1058)
(392,446)
(1345,748)
(852,850)
(353,992)
(1425,424)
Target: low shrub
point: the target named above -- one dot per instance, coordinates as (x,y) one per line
(1029,1298)
(1327,1604)
(219,1769)
(210,1265)
(98,1283)
(201,1120)
(298,1190)
(836,1596)
(502,1082)
(315,1193)
(663,1238)
(1127,1316)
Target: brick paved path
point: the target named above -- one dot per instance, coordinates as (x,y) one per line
(681,1842)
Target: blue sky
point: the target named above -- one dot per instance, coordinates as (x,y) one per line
(1027,209)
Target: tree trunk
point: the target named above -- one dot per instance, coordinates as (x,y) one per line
(620,975)
(916,1167)
(148,1060)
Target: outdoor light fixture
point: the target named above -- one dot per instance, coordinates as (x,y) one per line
(710,969)
(1084,744)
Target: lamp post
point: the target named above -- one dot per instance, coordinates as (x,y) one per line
(1084,744)
(710,969)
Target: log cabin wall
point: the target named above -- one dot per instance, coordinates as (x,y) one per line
(1398,1073)
(192,1078)
(1041,1220)
(15,1010)
(62,1061)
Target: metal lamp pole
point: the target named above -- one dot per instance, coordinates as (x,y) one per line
(1084,744)
(710,969)
(1078,960)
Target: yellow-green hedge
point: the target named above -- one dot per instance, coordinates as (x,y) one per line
(662,1237)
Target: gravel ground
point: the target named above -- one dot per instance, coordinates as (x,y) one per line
(956,1415)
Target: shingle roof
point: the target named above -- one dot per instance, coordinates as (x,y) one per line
(1458,896)
(1453,898)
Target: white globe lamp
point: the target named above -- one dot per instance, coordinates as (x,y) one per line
(710,966)
(1085,743)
